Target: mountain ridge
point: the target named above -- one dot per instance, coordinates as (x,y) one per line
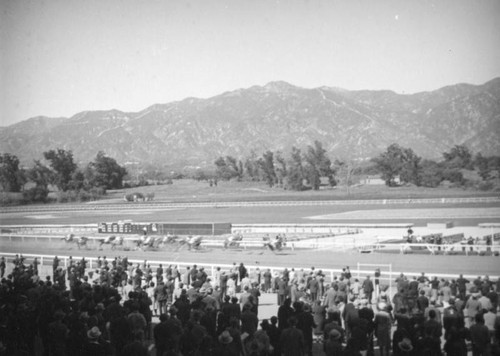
(351,125)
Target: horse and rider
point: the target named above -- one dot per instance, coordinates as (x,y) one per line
(112,240)
(275,244)
(80,241)
(233,240)
(193,242)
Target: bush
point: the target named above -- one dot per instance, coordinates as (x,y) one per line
(7,199)
(80,195)
(485,186)
(36,195)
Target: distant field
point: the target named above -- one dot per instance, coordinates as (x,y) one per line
(182,191)
(187,190)
(191,190)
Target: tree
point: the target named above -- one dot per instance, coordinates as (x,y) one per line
(226,168)
(63,166)
(40,174)
(295,170)
(11,177)
(235,166)
(400,162)
(318,165)
(481,163)
(410,169)
(107,173)
(266,165)
(459,157)
(346,170)
(252,167)
(431,174)
(389,164)
(78,181)
(280,168)
(487,166)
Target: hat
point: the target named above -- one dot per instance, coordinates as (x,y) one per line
(99,306)
(225,338)
(335,334)
(405,345)
(381,306)
(94,333)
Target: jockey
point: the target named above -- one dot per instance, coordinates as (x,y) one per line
(109,239)
(195,241)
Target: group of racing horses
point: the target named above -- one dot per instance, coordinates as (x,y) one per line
(141,242)
(159,241)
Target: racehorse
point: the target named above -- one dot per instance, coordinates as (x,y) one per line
(193,242)
(233,240)
(166,240)
(275,245)
(148,241)
(111,240)
(80,241)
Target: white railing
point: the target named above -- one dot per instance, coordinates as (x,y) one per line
(162,205)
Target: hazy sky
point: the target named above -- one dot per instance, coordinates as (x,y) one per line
(59,57)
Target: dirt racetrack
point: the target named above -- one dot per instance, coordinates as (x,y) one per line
(299,258)
(419,215)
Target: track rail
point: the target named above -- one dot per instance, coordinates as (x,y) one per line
(171,205)
(387,277)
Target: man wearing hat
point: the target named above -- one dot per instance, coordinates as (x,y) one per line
(93,347)
(58,334)
(226,346)
(405,346)
(333,343)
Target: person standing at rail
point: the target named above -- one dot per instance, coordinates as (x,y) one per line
(368,289)
(55,265)
(2,267)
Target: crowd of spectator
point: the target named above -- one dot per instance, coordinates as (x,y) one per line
(109,310)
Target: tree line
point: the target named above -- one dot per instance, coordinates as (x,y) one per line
(60,170)
(400,165)
(296,171)
(300,170)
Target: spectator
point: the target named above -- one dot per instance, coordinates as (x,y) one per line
(333,344)
(93,347)
(383,323)
(226,346)
(480,337)
(368,289)
(136,346)
(292,341)
(473,307)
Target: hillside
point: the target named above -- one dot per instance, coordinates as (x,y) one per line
(277,116)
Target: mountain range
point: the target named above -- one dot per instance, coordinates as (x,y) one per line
(195,132)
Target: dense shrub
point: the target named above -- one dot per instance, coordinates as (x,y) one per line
(80,195)
(36,195)
(7,199)
(485,186)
